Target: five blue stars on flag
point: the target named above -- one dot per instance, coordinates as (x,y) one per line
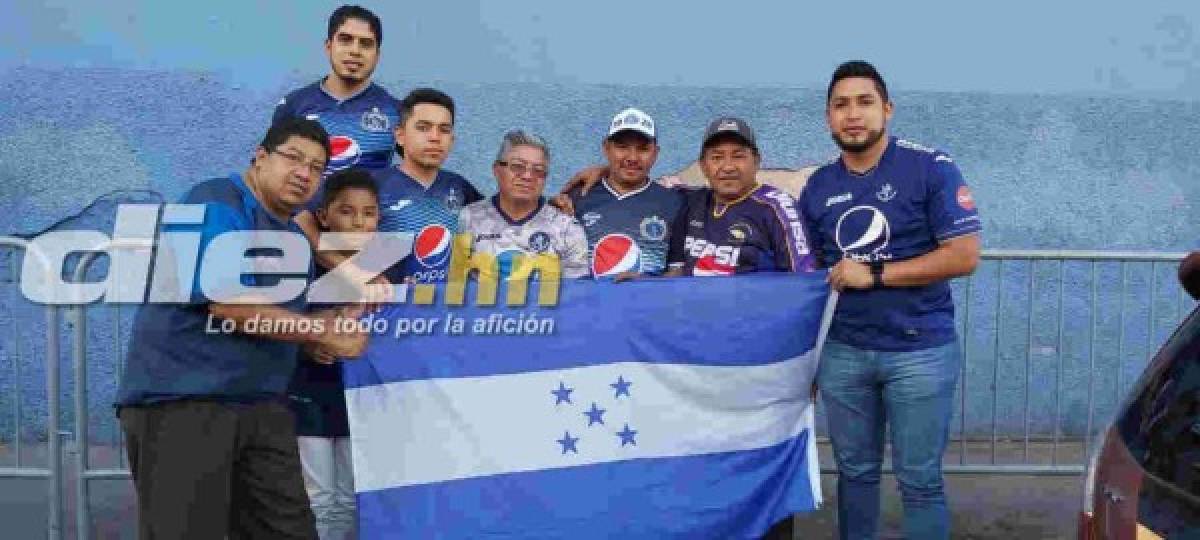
(595,415)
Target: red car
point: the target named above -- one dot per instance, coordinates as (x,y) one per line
(1144,479)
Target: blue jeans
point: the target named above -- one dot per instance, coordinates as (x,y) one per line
(914,392)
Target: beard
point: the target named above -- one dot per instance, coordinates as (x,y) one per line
(873,137)
(353,78)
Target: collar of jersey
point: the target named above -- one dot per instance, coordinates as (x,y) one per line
(618,195)
(407,177)
(251,203)
(496,204)
(321,86)
(716,214)
(887,154)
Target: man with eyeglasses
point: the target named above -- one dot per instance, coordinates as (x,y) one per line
(517,220)
(211,444)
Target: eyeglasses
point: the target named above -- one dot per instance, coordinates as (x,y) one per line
(297,160)
(520,168)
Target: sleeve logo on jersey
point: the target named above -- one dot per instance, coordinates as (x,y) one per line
(654,228)
(432,246)
(793,218)
(965,200)
(711,259)
(345,152)
(615,253)
(862,233)
(539,242)
(375,121)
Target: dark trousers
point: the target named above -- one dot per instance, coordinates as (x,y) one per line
(782,530)
(209,470)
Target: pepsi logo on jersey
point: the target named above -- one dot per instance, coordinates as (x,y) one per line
(431,248)
(615,253)
(863,234)
(345,152)
(711,259)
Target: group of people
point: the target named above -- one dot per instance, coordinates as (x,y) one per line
(245,434)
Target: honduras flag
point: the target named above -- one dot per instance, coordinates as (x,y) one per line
(659,408)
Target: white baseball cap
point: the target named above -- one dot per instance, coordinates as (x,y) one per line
(632,120)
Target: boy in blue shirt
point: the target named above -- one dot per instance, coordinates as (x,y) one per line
(350,205)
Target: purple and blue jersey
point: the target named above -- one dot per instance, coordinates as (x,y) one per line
(360,126)
(913,200)
(763,232)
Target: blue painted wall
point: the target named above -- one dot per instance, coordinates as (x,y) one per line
(135,102)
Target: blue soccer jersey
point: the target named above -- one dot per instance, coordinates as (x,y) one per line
(173,351)
(630,232)
(360,126)
(763,232)
(911,201)
(430,214)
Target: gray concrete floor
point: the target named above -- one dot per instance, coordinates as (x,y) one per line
(982,506)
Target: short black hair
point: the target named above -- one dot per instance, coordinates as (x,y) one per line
(425,95)
(340,15)
(281,131)
(342,180)
(857,68)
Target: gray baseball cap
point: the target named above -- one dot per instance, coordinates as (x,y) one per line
(730,125)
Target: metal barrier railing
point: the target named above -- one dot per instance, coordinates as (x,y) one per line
(991,446)
(85,474)
(53,470)
(1064,448)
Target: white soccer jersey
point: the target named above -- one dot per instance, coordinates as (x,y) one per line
(546,230)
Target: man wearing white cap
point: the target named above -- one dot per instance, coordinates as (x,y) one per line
(628,218)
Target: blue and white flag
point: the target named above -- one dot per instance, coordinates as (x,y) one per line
(660,408)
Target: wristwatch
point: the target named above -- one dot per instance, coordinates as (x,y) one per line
(877,274)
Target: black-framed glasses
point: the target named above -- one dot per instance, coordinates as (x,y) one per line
(520,168)
(295,159)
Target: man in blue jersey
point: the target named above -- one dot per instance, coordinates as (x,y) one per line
(893,221)
(418,196)
(628,218)
(211,444)
(736,225)
(358,114)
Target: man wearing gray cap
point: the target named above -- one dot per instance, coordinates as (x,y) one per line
(736,225)
(627,218)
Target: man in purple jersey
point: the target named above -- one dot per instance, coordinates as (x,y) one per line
(893,221)
(736,225)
